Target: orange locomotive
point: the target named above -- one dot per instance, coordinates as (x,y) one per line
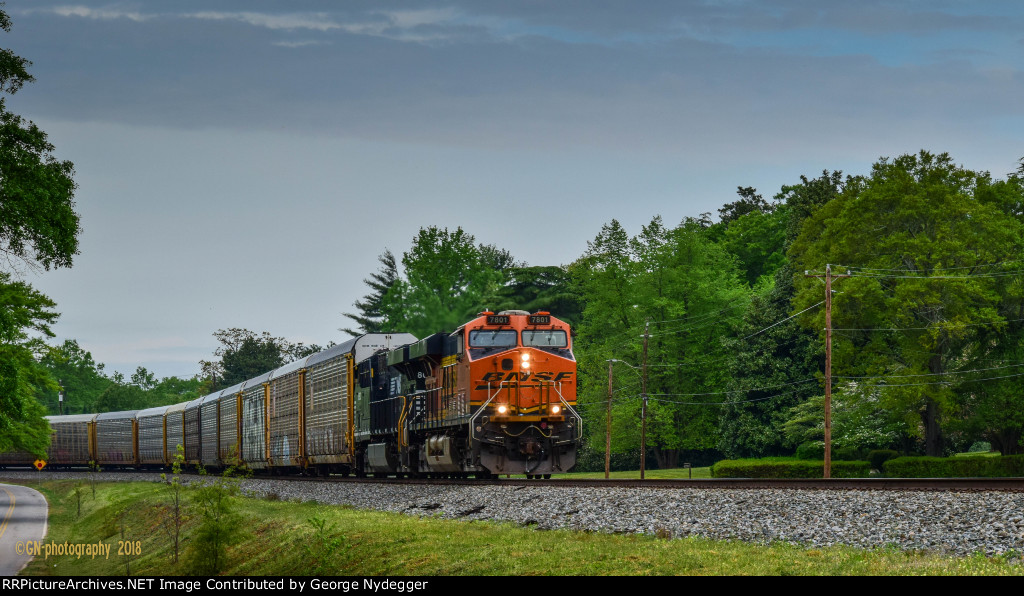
(496,396)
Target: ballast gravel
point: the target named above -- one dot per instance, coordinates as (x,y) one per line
(949,522)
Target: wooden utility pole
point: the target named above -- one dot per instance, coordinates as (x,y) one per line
(828,364)
(608,428)
(643,411)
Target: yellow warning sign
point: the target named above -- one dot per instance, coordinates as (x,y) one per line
(39,464)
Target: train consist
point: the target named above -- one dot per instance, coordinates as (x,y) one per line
(496,396)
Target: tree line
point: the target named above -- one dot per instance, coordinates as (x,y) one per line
(929,327)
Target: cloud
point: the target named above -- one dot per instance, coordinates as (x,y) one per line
(101,13)
(315,22)
(301,44)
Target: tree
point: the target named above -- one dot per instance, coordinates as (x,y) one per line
(38,223)
(244,355)
(537,288)
(769,374)
(24,311)
(80,376)
(445,279)
(774,357)
(918,236)
(749,202)
(757,239)
(38,228)
(371,316)
(683,284)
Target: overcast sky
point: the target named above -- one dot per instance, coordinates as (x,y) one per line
(243,163)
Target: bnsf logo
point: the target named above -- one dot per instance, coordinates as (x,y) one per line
(498,377)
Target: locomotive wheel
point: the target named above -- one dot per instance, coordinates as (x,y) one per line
(547,476)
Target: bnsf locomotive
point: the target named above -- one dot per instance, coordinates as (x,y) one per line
(496,396)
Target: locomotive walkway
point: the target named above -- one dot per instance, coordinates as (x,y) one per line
(22,518)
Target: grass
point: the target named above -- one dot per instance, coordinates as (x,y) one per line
(282,538)
(670,474)
(978,454)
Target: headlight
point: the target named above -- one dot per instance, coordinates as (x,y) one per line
(525,356)
(526,364)
(556,409)
(503,409)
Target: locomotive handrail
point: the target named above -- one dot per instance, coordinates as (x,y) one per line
(579,419)
(472,420)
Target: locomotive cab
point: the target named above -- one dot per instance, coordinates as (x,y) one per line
(521,374)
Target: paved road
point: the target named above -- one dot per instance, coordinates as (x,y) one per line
(22,517)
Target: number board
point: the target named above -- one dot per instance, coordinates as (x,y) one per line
(540,319)
(498,319)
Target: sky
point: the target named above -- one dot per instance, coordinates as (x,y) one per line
(244,163)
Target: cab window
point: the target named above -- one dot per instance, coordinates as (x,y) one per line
(492,338)
(545,338)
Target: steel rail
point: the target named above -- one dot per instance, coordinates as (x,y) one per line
(925,484)
(933,484)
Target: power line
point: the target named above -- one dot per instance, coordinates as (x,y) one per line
(782,321)
(885,386)
(735,390)
(936,326)
(935,268)
(1014,273)
(954,372)
(723,403)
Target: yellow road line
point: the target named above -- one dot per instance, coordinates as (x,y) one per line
(10,510)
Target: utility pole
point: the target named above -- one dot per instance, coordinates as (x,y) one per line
(828,364)
(608,428)
(60,397)
(643,411)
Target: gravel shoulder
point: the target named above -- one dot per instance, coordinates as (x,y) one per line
(949,522)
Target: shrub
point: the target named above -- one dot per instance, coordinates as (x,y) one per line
(980,447)
(847,454)
(878,457)
(774,468)
(955,467)
(811,450)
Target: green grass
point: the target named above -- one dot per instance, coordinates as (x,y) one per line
(673,473)
(978,454)
(280,540)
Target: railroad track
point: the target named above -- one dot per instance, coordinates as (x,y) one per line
(881,484)
(965,484)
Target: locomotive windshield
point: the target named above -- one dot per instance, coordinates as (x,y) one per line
(545,338)
(492,338)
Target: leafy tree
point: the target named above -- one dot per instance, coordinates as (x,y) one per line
(918,237)
(120,396)
(174,390)
(538,288)
(749,202)
(81,377)
(773,370)
(683,284)
(757,239)
(245,355)
(445,279)
(38,223)
(774,357)
(24,311)
(993,409)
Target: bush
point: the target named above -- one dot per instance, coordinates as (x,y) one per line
(775,468)
(955,467)
(811,450)
(878,457)
(980,447)
(847,454)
